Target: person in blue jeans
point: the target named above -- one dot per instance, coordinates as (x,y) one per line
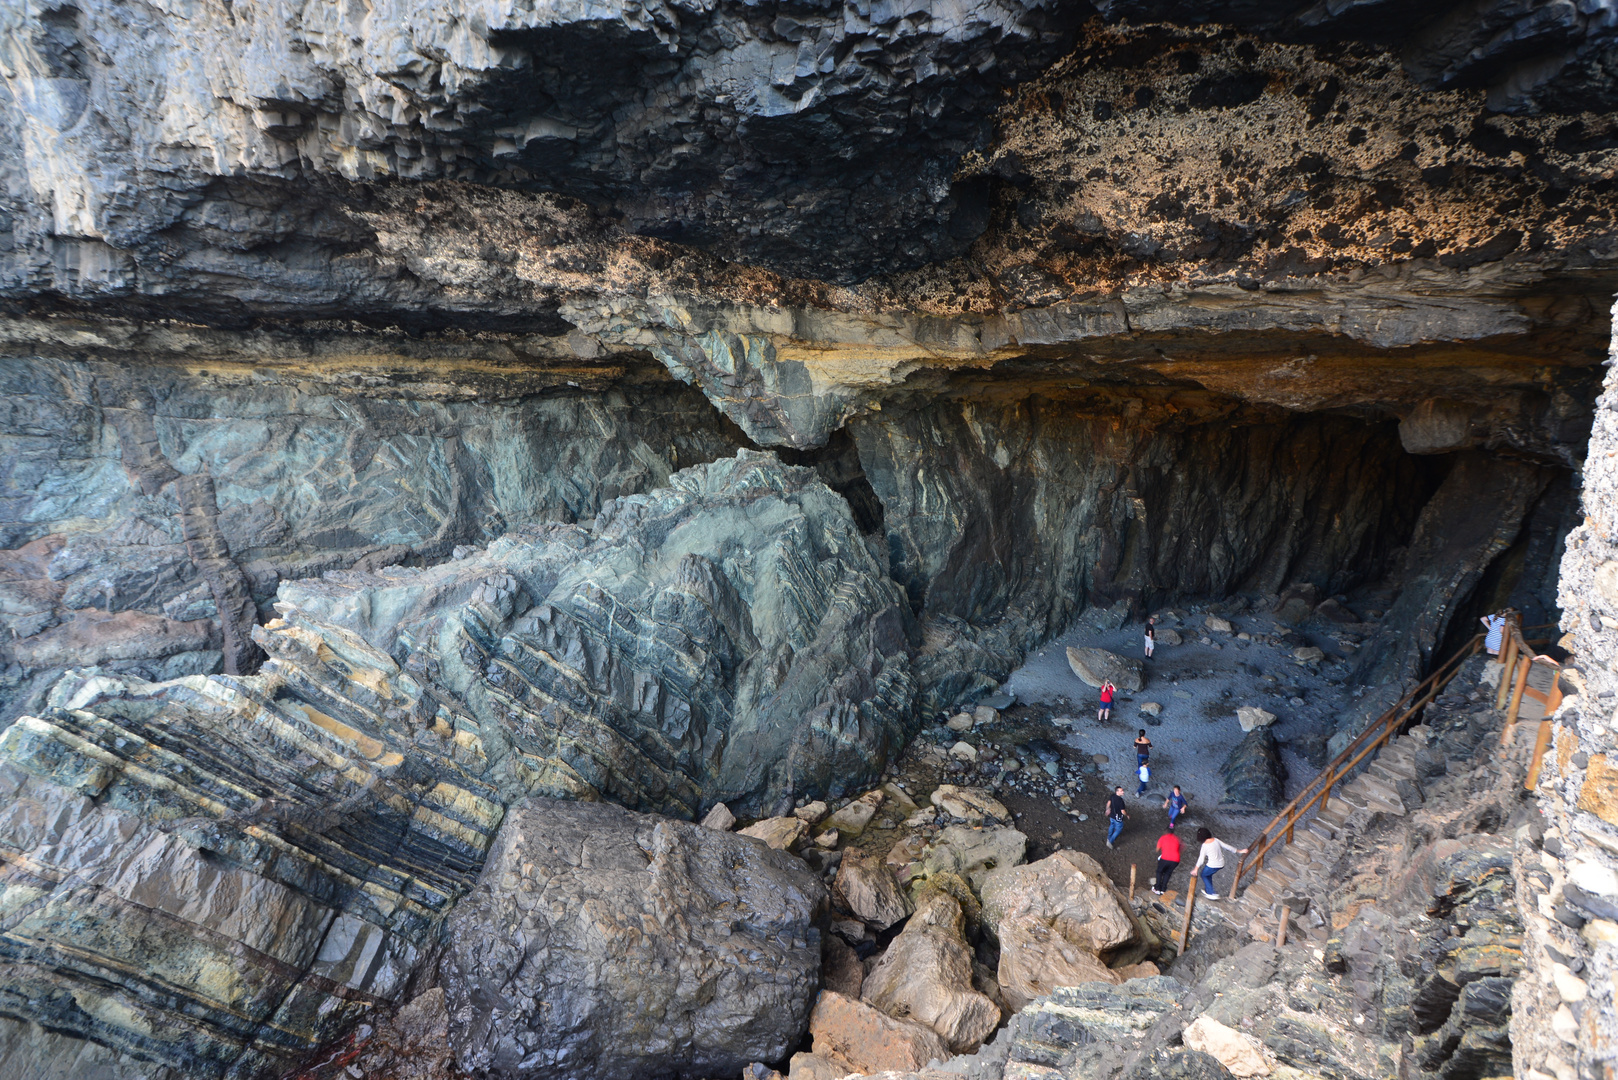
(1175,805)
(1211,860)
(1145,778)
(1116,813)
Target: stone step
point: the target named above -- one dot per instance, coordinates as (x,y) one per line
(1276,879)
(1393,770)
(1290,859)
(1381,791)
(1352,793)
(1319,829)
(1308,843)
(1337,806)
(1261,890)
(1336,817)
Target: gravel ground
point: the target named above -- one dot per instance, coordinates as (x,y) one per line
(1200,687)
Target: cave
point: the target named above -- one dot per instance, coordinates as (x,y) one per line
(677,469)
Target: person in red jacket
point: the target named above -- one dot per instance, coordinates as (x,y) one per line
(1104,713)
(1168,857)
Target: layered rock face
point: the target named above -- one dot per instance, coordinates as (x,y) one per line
(386,444)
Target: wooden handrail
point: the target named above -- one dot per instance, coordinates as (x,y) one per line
(1377,732)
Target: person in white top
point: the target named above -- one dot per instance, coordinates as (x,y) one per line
(1151,636)
(1211,860)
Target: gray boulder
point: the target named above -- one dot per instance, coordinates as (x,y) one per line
(603,943)
(728,637)
(1254,773)
(1096,666)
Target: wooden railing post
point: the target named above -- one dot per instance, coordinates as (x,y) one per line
(1281,930)
(1191,891)
(1523,664)
(1540,744)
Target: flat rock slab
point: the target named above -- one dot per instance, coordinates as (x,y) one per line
(1096,666)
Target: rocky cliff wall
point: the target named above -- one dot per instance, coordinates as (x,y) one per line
(1564,1024)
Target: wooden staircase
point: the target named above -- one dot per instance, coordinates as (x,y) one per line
(1380,772)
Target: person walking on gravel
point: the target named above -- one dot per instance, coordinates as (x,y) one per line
(1175,805)
(1116,813)
(1168,859)
(1143,748)
(1211,860)
(1151,636)
(1108,690)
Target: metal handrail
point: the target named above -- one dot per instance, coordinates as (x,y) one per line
(1382,728)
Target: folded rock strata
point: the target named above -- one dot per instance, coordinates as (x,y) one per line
(727,638)
(603,943)
(277,862)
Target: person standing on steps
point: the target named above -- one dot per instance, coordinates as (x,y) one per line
(1116,813)
(1211,860)
(1175,805)
(1494,627)
(1143,748)
(1104,713)
(1151,636)
(1168,859)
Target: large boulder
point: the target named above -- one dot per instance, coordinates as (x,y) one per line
(603,943)
(973,853)
(861,1039)
(729,637)
(1096,666)
(926,975)
(1254,773)
(1054,919)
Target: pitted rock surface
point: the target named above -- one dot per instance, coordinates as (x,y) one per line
(605,943)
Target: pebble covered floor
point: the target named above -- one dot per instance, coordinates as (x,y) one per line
(1052,728)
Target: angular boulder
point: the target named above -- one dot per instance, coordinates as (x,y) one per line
(1250,717)
(644,660)
(969,804)
(1231,1048)
(1096,666)
(868,889)
(720,819)
(781,833)
(1053,919)
(926,975)
(852,819)
(599,942)
(1217,625)
(973,853)
(862,1039)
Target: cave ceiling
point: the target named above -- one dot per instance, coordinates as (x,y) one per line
(808,211)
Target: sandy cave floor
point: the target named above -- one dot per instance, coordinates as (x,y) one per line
(1200,687)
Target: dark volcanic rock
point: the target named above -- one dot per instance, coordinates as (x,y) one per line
(1254,774)
(607,944)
